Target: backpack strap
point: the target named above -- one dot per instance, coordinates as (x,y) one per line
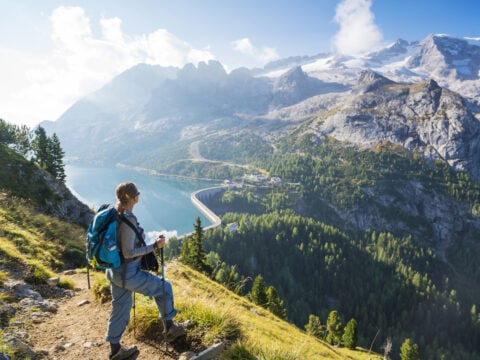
(134,228)
(124,219)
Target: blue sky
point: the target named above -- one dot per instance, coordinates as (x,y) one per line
(53,52)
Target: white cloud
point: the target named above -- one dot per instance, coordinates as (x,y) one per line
(38,87)
(358,32)
(259,55)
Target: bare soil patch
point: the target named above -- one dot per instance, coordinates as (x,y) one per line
(77,332)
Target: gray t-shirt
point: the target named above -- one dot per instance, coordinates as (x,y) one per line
(129,245)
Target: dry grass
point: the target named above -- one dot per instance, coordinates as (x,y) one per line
(218,314)
(264,334)
(35,243)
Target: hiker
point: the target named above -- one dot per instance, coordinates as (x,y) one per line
(129,278)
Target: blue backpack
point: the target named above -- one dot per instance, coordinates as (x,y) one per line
(102,250)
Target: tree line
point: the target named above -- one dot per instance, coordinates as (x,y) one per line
(191,251)
(385,283)
(46,151)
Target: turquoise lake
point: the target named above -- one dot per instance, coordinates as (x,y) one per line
(164,204)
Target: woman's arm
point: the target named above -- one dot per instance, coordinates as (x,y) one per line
(127,242)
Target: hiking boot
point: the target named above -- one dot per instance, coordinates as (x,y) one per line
(175,331)
(124,353)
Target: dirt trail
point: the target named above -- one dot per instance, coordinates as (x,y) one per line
(77,332)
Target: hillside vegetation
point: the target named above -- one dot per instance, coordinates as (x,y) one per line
(257,332)
(384,236)
(35,246)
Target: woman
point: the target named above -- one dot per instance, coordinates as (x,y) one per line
(129,278)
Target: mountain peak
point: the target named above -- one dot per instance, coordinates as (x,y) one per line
(370,80)
(212,71)
(447,57)
(294,77)
(399,47)
(431,85)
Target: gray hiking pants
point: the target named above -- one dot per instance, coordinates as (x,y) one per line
(138,281)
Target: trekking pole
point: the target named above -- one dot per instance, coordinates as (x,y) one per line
(88,275)
(162,262)
(134,323)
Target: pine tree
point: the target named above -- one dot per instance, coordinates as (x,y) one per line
(334,328)
(22,139)
(258,293)
(314,326)
(409,350)
(350,334)
(192,250)
(40,147)
(275,304)
(55,164)
(7,134)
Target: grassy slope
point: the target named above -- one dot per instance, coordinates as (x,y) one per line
(34,245)
(259,328)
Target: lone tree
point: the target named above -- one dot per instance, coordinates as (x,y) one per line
(409,350)
(192,250)
(258,294)
(314,326)
(334,328)
(350,334)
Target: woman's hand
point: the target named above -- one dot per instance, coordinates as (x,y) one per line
(160,242)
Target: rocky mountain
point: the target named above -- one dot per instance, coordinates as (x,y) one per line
(423,117)
(310,120)
(448,58)
(420,95)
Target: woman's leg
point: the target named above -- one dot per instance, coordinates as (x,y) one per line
(150,285)
(120,315)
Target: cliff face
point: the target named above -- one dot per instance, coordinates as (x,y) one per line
(432,217)
(23,179)
(67,207)
(424,117)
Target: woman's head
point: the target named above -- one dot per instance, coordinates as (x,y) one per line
(126,192)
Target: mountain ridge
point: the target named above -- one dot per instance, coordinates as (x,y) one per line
(177,98)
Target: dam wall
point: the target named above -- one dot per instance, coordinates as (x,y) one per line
(198,197)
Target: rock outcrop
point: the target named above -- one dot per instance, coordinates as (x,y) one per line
(424,117)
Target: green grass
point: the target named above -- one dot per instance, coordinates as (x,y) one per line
(101,288)
(37,273)
(66,283)
(4,348)
(3,278)
(36,244)
(216,313)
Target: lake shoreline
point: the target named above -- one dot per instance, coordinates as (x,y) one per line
(166,206)
(166,175)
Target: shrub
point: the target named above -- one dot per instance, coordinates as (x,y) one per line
(37,273)
(66,284)
(101,288)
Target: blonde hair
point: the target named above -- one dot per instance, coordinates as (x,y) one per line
(125,192)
